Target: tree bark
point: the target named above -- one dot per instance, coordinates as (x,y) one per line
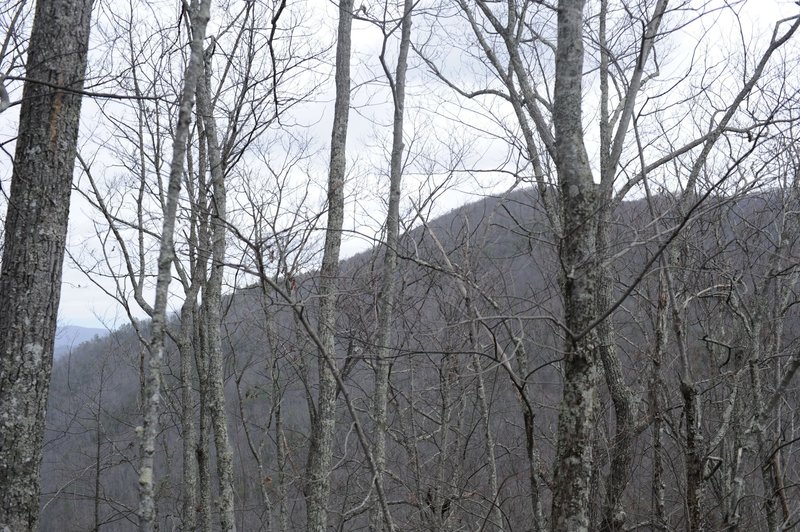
(33,252)
(321,451)
(578,246)
(212,302)
(613,518)
(98,448)
(388,289)
(188,436)
(149,429)
(203,469)
(657,409)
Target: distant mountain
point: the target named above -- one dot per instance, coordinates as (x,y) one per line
(69,337)
(506,254)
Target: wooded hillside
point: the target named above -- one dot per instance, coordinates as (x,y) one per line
(402,265)
(458,383)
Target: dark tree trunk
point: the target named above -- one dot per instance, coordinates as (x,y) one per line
(35,235)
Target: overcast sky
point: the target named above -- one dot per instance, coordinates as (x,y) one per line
(84,304)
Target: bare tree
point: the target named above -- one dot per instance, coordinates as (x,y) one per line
(200,13)
(324,422)
(622,327)
(523,45)
(388,290)
(212,298)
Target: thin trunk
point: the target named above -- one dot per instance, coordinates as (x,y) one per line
(735,485)
(694,458)
(262,479)
(189,325)
(533,470)
(283,510)
(770,488)
(388,290)
(201,452)
(483,408)
(614,517)
(188,437)
(624,400)
(98,448)
(434,495)
(33,250)
(780,486)
(204,502)
(197,450)
(657,410)
(529,419)
(321,451)
(276,398)
(149,431)
(763,452)
(695,451)
(212,303)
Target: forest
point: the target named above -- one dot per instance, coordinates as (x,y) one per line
(400,265)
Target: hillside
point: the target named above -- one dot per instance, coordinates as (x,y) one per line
(70,337)
(475,380)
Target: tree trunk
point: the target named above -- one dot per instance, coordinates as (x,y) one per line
(280,438)
(212,302)
(201,452)
(576,416)
(33,252)
(613,518)
(321,451)
(494,519)
(188,436)
(149,430)
(694,458)
(388,290)
(97,452)
(657,409)
(185,342)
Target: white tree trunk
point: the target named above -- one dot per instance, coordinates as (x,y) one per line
(321,450)
(152,405)
(388,288)
(576,417)
(212,302)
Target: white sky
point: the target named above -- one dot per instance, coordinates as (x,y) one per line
(83,304)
